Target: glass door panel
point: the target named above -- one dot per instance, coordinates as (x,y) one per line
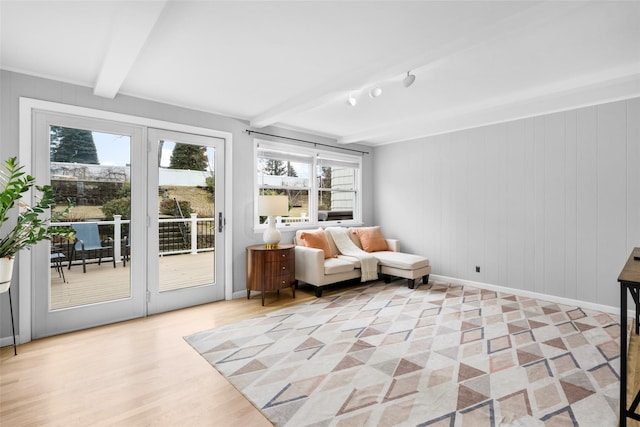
(187,172)
(186,215)
(92,169)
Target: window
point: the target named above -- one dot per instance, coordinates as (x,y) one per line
(322,186)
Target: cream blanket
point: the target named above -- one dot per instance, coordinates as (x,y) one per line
(368,263)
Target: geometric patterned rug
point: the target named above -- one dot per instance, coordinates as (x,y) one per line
(446,355)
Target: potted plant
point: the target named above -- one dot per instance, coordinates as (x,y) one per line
(32,225)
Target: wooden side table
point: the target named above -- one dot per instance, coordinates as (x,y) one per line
(629,280)
(270,269)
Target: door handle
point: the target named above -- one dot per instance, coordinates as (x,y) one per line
(220,222)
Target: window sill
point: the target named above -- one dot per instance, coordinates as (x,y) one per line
(310,225)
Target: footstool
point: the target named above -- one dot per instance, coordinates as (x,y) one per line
(407,266)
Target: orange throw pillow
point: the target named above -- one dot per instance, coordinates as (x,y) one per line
(371,239)
(316,239)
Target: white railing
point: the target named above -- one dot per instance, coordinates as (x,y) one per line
(191,223)
(292,220)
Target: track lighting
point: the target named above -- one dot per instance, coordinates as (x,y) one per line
(408,81)
(376,91)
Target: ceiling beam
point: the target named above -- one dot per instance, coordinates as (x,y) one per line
(130,33)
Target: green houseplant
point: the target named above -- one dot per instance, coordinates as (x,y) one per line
(31,225)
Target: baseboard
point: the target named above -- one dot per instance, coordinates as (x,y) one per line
(8,341)
(239,294)
(536,295)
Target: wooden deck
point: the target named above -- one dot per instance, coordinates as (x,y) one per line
(104,283)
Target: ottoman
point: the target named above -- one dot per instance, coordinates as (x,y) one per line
(407,266)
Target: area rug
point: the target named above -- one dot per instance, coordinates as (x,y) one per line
(448,355)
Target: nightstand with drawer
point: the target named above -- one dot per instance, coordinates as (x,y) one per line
(270,269)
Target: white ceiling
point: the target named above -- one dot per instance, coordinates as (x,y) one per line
(294,63)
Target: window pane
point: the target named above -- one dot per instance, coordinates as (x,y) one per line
(277,173)
(336,205)
(289,178)
(186,186)
(336,178)
(298,205)
(92,169)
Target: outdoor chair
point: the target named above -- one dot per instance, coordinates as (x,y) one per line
(126,250)
(88,239)
(57,258)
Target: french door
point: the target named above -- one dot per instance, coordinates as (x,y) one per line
(97,165)
(186,171)
(154,221)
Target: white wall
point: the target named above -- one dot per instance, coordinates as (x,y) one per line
(549,204)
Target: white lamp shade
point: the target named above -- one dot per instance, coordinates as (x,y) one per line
(273,205)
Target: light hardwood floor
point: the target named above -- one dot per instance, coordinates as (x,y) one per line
(135,373)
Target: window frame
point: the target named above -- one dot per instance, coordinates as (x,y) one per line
(316,156)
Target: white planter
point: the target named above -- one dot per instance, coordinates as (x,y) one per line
(6,271)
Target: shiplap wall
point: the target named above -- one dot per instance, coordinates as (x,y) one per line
(549,204)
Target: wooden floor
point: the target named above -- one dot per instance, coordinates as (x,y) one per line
(135,373)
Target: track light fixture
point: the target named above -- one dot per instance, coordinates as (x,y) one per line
(376,91)
(408,81)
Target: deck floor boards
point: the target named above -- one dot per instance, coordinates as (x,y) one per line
(105,283)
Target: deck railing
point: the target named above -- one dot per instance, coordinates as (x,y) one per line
(292,219)
(201,232)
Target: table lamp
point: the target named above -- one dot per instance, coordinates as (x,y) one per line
(271,207)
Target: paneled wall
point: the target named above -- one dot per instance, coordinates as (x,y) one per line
(549,204)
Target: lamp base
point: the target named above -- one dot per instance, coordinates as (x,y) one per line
(271,236)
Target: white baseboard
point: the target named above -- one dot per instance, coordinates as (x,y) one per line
(536,295)
(8,341)
(239,294)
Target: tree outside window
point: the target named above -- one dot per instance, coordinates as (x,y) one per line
(72,146)
(189,157)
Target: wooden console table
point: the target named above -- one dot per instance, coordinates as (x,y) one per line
(270,269)
(629,279)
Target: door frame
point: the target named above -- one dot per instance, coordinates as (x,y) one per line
(26,108)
